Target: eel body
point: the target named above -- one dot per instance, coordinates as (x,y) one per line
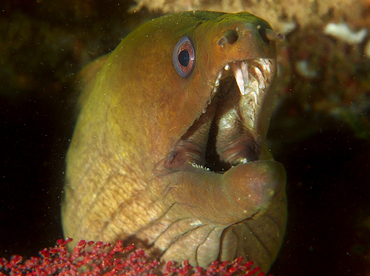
(169,146)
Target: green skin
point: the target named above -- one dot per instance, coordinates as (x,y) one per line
(135,108)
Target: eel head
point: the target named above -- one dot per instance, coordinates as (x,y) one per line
(170,145)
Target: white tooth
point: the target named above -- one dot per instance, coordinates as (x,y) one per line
(227,67)
(239,80)
(260,77)
(253,84)
(198,166)
(266,67)
(254,95)
(257,89)
(265,63)
(219,75)
(195,165)
(244,68)
(217,82)
(243,161)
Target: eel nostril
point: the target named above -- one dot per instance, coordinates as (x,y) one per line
(229,37)
(274,36)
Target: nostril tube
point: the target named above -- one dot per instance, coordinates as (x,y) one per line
(274,36)
(229,37)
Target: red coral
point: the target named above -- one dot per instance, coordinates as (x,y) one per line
(89,258)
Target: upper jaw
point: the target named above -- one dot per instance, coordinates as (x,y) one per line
(227,131)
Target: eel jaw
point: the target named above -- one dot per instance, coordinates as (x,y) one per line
(222,204)
(227,131)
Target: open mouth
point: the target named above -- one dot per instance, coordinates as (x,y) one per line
(227,131)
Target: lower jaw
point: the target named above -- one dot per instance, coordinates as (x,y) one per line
(225,199)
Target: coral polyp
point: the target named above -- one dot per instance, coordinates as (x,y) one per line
(90,258)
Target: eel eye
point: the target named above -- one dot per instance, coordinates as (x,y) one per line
(184,57)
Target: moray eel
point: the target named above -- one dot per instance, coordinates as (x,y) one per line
(169,146)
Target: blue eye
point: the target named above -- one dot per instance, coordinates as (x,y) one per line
(184,57)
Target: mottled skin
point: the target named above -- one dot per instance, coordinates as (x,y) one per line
(134,109)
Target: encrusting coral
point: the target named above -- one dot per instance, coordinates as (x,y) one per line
(89,258)
(277,13)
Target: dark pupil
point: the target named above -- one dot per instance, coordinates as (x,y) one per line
(184,58)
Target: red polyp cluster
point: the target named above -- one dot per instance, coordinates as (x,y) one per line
(89,258)
(216,268)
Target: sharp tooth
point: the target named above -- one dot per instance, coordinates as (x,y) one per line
(227,67)
(254,97)
(266,69)
(255,84)
(241,76)
(260,77)
(217,82)
(243,161)
(244,67)
(195,165)
(239,80)
(219,75)
(266,65)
